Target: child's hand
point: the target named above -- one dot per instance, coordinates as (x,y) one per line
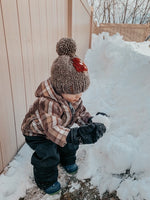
(92,132)
(100,129)
(86,134)
(83,134)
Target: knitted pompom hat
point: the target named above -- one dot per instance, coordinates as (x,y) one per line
(69,75)
(66,46)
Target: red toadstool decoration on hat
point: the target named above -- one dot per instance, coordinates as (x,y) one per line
(79,65)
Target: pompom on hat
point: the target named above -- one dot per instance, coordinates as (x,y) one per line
(69,75)
(66,46)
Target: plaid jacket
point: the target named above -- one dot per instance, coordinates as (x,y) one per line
(51,115)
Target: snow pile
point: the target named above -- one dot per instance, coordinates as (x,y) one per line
(120,160)
(120,87)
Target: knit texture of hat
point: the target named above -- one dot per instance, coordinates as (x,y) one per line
(66,46)
(65,78)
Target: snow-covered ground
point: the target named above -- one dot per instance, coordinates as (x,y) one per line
(120,160)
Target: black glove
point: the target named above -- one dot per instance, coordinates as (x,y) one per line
(102,113)
(100,129)
(86,134)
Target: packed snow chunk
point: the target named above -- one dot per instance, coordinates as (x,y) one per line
(100,118)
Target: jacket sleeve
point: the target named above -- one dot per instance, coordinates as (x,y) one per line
(83,116)
(52,123)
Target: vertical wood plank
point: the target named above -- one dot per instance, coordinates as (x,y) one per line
(1,160)
(8,146)
(52,30)
(80,27)
(14,49)
(44,36)
(62,10)
(57,20)
(91,26)
(27,49)
(69,18)
(39,44)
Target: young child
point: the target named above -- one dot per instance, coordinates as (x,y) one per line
(47,125)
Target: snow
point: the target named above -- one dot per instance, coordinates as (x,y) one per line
(121,89)
(75,186)
(48,197)
(120,160)
(103,119)
(17,176)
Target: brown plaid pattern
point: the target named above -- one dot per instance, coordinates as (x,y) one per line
(50,115)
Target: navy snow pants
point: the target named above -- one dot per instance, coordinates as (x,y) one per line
(47,155)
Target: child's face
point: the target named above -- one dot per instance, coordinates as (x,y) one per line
(72,98)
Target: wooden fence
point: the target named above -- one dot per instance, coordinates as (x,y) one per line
(29,30)
(130,32)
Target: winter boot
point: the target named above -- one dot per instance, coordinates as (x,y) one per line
(71,169)
(53,189)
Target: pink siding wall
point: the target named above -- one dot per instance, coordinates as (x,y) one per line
(29,30)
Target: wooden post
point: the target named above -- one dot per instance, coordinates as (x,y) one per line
(1,160)
(91,26)
(147,32)
(69,18)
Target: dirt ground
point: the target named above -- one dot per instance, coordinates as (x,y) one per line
(74,189)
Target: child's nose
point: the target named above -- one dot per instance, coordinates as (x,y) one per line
(78,96)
